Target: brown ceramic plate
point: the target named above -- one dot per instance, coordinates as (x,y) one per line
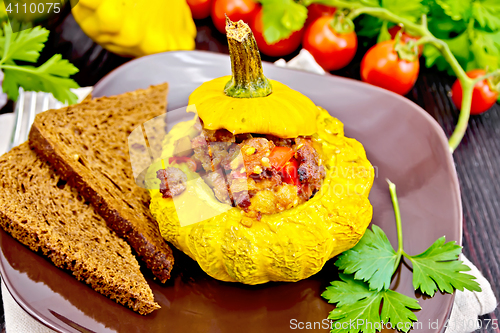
(403,143)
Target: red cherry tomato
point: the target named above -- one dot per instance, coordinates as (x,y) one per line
(235,9)
(483,97)
(316,10)
(381,66)
(200,9)
(278,49)
(279,156)
(290,172)
(405,37)
(331,50)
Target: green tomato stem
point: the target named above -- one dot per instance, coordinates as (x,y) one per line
(422,41)
(463,118)
(384,14)
(486,76)
(341,24)
(450,58)
(423,21)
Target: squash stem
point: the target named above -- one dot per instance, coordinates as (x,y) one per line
(248,80)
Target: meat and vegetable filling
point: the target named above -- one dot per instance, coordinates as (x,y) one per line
(260,174)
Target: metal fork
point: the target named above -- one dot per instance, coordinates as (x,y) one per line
(24,115)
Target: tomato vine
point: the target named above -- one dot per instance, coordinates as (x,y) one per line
(476,44)
(421,29)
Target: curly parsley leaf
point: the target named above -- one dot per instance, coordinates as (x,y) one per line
(487,13)
(372,260)
(456,9)
(281,18)
(52,76)
(369,26)
(485,49)
(442,25)
(368,3)
(409,9)
(358,307)
(439,267)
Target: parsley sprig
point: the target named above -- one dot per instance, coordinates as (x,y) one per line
(363,296)
(25,45)
(358,307)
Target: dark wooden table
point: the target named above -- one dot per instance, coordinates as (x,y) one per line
(477,159)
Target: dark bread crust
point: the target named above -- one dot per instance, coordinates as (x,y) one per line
(50,217)
(70,139)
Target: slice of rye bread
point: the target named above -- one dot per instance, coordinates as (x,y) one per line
(49,216)
(88,145)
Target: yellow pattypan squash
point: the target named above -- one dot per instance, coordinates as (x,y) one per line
(286,246)
(137,27)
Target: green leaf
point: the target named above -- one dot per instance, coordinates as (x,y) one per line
(369,3)
(10,85)
(347,292)
(487,13)
(362,316)
(372,260)
(50,77)
(409,9)
(358,307)
(439,267)
(58,66)
(457,9)
(396,309)
(355,303)
(443,26)
(24,45)
(281,18)
(369,26)
(384,33)
(486,52)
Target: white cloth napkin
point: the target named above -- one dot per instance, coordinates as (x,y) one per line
(471,304)
(303,61)
(466,309)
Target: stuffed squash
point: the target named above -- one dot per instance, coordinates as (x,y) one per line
(278,188)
